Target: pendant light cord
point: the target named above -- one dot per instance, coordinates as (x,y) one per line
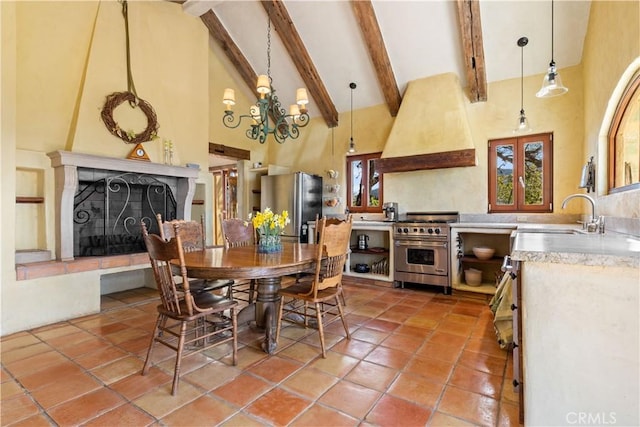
(552,60)
(522,42)
(352,86)
(351,113)
(521,79)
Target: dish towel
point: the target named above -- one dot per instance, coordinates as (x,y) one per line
(500,305)
(588,179)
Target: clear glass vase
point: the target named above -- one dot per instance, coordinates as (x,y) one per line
(269,243)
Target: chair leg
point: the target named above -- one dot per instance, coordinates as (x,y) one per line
(320,329)
(279,323)
(234,330)
(344,321)
(156,330)
(344,301)
(176,371)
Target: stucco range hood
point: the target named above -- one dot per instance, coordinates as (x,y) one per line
(431,130)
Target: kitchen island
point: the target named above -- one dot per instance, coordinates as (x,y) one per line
(580,327)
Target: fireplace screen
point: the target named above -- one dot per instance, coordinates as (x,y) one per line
(109,208)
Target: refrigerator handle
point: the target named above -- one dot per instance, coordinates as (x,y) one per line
(297,204)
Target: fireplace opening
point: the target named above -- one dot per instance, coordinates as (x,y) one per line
(109,208)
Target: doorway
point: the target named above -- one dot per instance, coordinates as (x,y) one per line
(223,165)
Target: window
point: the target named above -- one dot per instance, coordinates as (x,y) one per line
(624,140)
(521,174)
(364,184)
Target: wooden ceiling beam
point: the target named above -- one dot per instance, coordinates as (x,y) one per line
(368,23)
(473,50)
(230,48)
(292,41)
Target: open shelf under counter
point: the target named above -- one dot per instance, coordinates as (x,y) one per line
(484,288)
(463,239)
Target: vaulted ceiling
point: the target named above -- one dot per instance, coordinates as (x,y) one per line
(383,45)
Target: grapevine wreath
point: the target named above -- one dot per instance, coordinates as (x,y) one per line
(113,101)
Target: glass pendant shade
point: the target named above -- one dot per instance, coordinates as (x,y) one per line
(523,123)
(352,146)
(551,84)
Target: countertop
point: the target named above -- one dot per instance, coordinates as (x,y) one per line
(554,243)
(565,244)
(609,249)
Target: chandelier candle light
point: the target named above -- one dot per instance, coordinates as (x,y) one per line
(268,107)
(269,226)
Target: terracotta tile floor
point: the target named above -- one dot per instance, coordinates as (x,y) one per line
(416,357)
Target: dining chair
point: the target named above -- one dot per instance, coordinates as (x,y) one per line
(187,323)
(237,232)
(321,295)
(193,237)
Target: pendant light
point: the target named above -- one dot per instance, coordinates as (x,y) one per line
(552,83)
(352,145)
(523,122)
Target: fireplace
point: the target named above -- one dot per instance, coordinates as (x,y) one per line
(101,201)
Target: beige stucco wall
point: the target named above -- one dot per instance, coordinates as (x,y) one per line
(465,189)
(611,55)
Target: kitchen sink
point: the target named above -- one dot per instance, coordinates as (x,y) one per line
(552,231)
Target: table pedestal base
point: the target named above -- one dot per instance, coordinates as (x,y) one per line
(267,311)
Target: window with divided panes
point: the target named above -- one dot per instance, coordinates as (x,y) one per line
(521,174)
(364,183)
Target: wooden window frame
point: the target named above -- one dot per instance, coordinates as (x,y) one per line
(365,159)
(518,205)
(621,110)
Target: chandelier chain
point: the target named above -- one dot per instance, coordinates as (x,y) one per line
(269,50)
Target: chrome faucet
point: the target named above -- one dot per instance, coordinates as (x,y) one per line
(595,223)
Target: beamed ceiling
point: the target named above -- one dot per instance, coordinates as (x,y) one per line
(383,45)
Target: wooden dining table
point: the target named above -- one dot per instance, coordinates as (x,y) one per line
(247,263)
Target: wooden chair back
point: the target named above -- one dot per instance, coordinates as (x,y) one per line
(192,233)
(161,252)
(333,247)
(237,232)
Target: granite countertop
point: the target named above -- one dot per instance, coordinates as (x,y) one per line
(609,249)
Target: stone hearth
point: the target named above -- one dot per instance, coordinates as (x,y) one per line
(178,181)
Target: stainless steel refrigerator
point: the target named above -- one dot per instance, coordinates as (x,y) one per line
(300,194)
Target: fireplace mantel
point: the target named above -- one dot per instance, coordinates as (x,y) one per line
(66,164)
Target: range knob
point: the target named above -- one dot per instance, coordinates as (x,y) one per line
(406,230)
(422,230)
(437,231)
(430,230)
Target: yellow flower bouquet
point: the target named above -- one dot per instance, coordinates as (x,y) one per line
(269,226)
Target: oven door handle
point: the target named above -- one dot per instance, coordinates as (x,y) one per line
(422,244)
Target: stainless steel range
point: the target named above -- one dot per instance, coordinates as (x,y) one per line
(422,248)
